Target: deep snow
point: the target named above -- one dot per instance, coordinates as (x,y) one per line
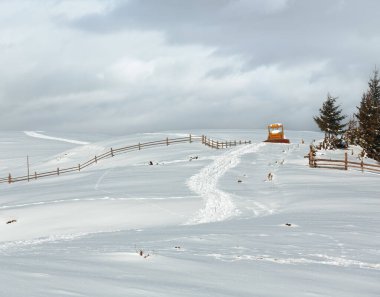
(203,233)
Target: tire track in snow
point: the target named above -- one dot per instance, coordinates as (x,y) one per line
(218,204)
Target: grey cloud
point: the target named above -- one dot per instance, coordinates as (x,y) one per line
(287,33)
(158,65)
(297,31)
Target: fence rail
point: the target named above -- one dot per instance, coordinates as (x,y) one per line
(222,144)
(341,164)
(118,151)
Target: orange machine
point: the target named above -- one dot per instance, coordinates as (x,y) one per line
(276,134)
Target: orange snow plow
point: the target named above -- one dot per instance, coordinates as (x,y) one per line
(276,134)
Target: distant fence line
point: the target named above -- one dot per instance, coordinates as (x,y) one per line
(222,144)
(117,151)
(341,164)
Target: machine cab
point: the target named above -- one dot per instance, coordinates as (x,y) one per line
(276,133)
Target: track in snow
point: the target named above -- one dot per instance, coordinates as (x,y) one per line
(319,259)
(219,205)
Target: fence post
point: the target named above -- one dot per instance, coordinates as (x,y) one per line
(190,138)
(217,144)
(167,141)
(58,171)
(362,165)
(345,161)
(78,167)
(35,174)
(311,158)
(139,146)
(9,178)
(226,143)
(239,141)
(96,160)
(112,152)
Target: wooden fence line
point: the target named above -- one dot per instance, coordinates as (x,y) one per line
(118,151)
(221,144)
(341,164)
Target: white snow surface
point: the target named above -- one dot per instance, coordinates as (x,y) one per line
(214,225)
(219,205)
(42,136)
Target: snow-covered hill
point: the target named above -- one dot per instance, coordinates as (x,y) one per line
(213,225)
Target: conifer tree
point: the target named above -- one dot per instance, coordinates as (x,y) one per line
(352,135)
(369,118)
(330,120)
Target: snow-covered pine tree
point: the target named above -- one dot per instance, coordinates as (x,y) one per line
(330,120)
(369,118)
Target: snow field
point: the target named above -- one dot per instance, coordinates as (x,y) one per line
(80,234)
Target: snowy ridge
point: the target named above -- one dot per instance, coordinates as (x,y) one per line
(219,205)
(42,136)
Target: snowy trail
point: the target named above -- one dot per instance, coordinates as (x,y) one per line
(219,205)
(42,136)
(106,198)
(319,259)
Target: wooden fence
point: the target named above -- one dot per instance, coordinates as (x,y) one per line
(341,164)
(117,151)
(220,144)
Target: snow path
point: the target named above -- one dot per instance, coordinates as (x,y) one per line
(66,201)
(37,241)
(319,259)
(219,205)
(42,136)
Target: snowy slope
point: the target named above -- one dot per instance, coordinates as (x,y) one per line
(201,231)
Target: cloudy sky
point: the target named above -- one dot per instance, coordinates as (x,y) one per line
(147,65)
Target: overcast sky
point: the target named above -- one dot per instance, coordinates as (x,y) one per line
(149,65)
